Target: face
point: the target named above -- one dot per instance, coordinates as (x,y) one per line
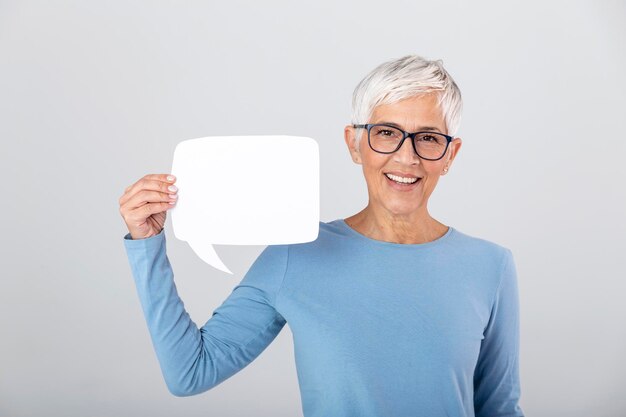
(411,115)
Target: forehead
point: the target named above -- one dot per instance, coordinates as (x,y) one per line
(411,113)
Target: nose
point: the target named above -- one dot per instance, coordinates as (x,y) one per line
(406,154)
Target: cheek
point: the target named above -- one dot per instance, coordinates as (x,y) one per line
(372,176)
(373,164)
(432,179)
(434,169)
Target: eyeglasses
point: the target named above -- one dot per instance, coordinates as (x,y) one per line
(387,139)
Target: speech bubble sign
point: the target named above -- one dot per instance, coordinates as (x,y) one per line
(245,190)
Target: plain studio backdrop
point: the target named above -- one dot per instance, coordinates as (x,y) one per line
(94,95)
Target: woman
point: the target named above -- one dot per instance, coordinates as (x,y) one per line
(392,312)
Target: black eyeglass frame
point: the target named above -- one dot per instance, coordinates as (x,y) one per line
(404,136)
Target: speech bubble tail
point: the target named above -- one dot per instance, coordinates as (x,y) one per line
(207,253)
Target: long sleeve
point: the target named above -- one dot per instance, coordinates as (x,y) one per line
(496,377)
(195,360)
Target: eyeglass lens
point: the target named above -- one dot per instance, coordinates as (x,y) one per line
(386,139)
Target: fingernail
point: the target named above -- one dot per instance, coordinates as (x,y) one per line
(172,188)
(171,178)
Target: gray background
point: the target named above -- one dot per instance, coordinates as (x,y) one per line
(94,95)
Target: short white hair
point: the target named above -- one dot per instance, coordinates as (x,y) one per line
(403,78)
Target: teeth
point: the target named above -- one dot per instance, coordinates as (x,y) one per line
(401,179)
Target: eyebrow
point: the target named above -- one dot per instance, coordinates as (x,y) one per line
(421,129)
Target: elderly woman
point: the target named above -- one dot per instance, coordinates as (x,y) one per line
(392,312)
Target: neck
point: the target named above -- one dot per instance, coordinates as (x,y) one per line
(380,224)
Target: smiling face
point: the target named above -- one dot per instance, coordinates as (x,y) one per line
(385,196)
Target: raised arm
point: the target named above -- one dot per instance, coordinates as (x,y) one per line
(195,360)
(496,377)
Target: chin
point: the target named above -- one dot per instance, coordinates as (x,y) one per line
(402,207)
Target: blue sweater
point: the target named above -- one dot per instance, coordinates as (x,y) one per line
(379,328)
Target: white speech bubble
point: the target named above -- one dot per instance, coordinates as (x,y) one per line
(245,190)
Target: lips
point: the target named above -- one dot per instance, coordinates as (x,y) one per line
(403,174)
(403,187)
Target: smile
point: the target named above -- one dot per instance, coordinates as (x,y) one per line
(401,180)
(402,184)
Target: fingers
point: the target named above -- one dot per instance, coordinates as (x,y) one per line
(147,210)
(154,182)
(143,197)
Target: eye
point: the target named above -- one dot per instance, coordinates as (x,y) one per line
(428,138)
(386,132)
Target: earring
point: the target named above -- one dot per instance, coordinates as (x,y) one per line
(445,169)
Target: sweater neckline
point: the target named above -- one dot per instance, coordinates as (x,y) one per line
(361,236)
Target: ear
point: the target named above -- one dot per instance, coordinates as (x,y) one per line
(349,134)
(453,150)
